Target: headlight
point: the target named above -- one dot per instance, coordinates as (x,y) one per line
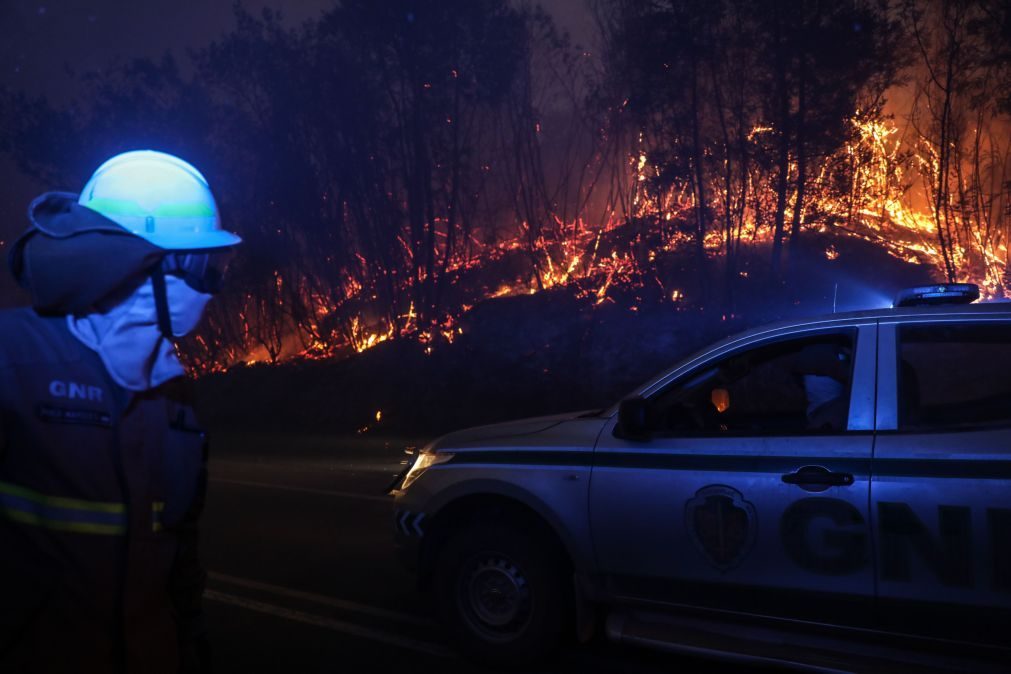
(426,459)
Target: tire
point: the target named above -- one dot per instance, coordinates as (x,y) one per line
(503,591)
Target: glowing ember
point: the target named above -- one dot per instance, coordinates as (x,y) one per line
(869,198)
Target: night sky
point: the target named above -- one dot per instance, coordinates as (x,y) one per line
(43,45)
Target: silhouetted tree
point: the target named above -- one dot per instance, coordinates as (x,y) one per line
(722,88)
(961,120)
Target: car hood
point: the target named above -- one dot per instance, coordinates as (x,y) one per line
(573,426)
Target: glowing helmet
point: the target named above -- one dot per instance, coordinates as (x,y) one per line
(160,198)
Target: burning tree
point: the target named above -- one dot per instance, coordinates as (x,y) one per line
(739,106)
(961,140)
(391,164)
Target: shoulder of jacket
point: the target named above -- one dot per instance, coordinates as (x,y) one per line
(27,337)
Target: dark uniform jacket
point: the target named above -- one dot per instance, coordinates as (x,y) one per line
(100,489)
(99,494)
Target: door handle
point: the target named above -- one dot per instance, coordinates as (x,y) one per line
(817,478)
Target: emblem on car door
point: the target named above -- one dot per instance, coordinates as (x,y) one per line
(722,525)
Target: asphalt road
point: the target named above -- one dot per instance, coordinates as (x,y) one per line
(297,537)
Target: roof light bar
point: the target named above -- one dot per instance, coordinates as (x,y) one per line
(943,293)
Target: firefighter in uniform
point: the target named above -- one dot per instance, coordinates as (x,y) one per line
(102,465)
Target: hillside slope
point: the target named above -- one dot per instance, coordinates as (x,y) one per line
(547,352)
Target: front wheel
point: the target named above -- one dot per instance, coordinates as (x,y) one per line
(504,592)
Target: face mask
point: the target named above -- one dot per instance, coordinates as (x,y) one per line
(186,281)
(127,338)
(186,305)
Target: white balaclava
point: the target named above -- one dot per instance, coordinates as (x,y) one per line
(128,339)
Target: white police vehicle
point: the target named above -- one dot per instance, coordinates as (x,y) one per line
(832,492)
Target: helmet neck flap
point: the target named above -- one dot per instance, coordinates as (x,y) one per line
(129,336)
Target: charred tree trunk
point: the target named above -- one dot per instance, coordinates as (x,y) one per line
(783,153)
(941,215)
(801,150)
(698,157)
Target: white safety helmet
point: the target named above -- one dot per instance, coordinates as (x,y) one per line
(160,198)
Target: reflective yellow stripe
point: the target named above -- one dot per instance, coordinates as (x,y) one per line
(58,525)
(27,506)
(157,507)
(126,207)
(60,501)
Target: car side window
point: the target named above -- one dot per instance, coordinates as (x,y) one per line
(788,387)
(954,376)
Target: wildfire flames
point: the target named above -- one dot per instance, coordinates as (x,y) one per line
(878,205)
(388,176)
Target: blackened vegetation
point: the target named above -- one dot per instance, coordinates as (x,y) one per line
(360,156)
(730,92)
(528,355)
(391,165)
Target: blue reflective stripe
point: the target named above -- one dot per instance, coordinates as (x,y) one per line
(50,513)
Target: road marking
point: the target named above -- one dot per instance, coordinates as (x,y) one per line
(330,624)
(307,490)
(343,604)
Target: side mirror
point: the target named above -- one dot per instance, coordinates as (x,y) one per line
(632,419)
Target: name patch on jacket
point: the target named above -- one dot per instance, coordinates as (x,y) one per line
(64,415)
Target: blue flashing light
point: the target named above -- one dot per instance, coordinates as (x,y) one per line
(942,293)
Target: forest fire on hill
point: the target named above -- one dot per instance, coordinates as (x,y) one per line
(876,211)
(390,169)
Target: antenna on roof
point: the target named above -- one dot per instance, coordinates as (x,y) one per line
(835,296)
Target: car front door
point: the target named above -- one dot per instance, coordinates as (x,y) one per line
(750,491)
(941,485)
